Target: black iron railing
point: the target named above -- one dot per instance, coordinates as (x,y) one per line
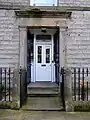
(62,73)
(6,75)
(80,84)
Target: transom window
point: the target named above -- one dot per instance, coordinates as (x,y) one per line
(43,2)
(43,37)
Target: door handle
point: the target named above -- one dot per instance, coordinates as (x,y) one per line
(43,65)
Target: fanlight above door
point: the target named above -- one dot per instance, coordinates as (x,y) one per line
(43,38)
(43,2)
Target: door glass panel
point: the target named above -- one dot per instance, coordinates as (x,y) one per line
(39,55)
(48,55)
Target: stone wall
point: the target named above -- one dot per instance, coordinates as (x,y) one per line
(74,3)
(78,39)
(9,39)
(15,2)
(61,2)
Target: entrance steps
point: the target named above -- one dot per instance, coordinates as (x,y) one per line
(42,89)
(43,96)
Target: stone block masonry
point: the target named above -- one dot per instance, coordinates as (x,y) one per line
(85,3)
(15,2)
(9,39)
(78,39)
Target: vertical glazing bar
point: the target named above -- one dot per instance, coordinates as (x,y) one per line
(1,83)
(74,84)
(9,82)
(78,83)
(87,84)
(5,82)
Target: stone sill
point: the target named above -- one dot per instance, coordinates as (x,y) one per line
(61,8)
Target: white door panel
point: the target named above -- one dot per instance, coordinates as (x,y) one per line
(43,63)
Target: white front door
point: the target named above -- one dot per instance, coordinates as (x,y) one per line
(43,62)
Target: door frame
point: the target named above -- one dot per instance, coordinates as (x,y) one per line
(52,51)
(22,62)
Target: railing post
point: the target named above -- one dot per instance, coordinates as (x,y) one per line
(79,83)
(82,92)
(9,73)
(74,86)
(21,100)
(87,84)
(0,83)
(16,88)
(68,90)
(23,86)
(62,87)
(5,82)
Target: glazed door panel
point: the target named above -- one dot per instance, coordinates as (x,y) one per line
(43,63)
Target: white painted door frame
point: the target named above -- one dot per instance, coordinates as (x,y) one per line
(52,51)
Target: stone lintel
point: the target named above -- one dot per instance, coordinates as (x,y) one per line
(45,8)
(37,13)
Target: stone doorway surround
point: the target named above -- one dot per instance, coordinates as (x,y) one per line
(25,23)
(52,21)
(23,46)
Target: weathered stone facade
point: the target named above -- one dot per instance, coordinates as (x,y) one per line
(77,40)
(9,39)
(15,2)
(74,3)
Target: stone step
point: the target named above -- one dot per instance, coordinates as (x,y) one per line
(44,109)
(42,85)
(41,92)
(43,103)
(42,89)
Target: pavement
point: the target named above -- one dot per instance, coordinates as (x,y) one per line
(42,115)
(43,103)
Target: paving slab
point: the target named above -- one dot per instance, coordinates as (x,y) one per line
(43,103)
(42,115)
